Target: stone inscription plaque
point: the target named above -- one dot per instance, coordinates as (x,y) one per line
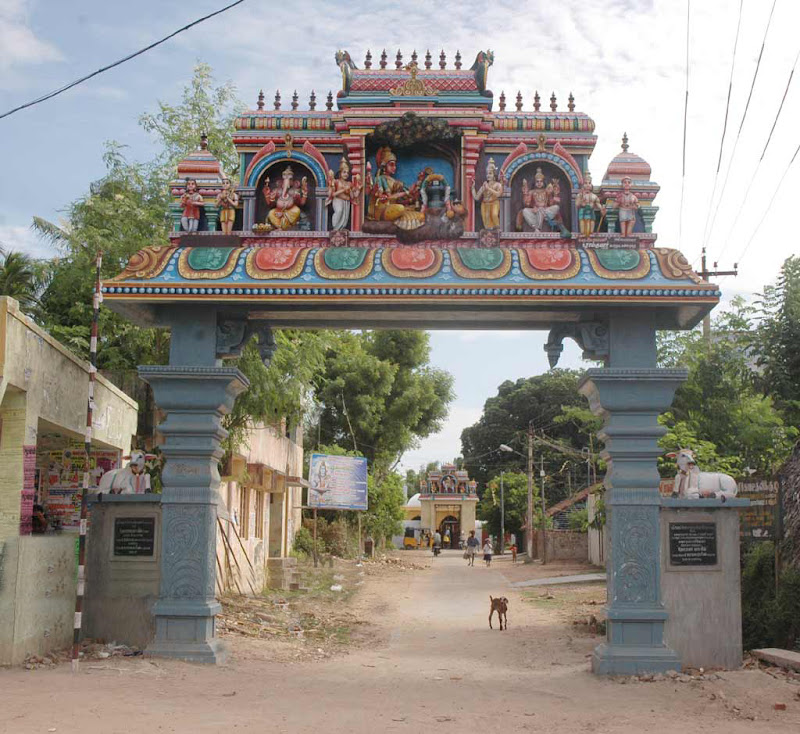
(134,536)
(692,544)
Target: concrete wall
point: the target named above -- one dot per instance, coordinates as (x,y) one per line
(562,545)
(121,590)
(704,602)
(43,388)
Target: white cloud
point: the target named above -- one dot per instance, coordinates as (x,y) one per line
(445,445)
(23,239)
(20,45)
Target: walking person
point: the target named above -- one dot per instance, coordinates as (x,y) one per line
(487,552)
(472,548)
(437,543)
(514,553)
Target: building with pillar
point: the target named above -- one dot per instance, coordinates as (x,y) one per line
(446,502)
(419,201)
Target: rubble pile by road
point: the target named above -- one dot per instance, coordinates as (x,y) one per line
(90,650)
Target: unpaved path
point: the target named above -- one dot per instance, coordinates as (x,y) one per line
(432,663)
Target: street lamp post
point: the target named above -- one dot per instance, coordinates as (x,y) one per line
(502,514)
(529,522)
(544,513)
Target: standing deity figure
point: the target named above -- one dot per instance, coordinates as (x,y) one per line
(342,193)
(286,200)
(541,204)
(627,203)
(389,199)
(227,201)
(489,195)
(588,203)
(191,201)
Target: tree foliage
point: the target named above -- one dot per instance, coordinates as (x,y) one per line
(19,279)
(515,493)
(379,394)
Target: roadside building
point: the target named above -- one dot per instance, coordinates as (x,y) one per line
(448,500)
(44,390)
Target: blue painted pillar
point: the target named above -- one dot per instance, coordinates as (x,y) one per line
(630,394)
(195,392)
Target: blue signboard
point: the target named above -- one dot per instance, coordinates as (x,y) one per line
(337,482)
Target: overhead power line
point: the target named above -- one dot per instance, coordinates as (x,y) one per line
(758,165)
(725,123)
(83,79)
(744,117)
(685,116)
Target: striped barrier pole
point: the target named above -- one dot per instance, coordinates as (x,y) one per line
(76,637)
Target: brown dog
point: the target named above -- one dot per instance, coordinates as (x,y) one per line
(499,605)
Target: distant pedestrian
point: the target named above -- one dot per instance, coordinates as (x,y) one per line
(487,553)
(472,547)
(437,543)
(514,553)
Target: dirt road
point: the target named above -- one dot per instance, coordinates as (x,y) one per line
(433,664)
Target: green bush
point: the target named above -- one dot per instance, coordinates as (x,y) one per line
(304,542)
(579,520)
(769,620)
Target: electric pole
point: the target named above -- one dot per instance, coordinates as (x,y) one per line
(502,515)
(544,511)
(705,274)
(529,557)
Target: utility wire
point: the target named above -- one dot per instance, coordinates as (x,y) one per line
(769,206)
(724,124)
(66,87)
(758,165)
(744,117)
(685,116)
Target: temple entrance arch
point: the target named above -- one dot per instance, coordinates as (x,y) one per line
(421,265)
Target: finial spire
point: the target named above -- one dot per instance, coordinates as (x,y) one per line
(277,101)
(553,102)
(312,101)
(442,60)
(625,142)
(571,105)
(203,141)
(368,60)
(414,56)
(383,59)
(502,101)
(329,102)
(458,59)
(398,61)
(260,102)
(428,59)
(519,101)
(537,102)
(294,100)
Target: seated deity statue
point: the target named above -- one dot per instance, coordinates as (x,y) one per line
(285,200)
(391,200)
(541,204)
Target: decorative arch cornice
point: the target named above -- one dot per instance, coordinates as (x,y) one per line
(268,155)
(521,156)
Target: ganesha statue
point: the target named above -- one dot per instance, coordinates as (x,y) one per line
(286,201)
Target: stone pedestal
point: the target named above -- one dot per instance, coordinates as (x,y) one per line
(701,581)
(195,399)
(630,400)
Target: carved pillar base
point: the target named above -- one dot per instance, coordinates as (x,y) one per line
(195,399)
(631,400)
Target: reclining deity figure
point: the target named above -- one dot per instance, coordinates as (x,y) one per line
(489,195)
(227,201)
(191,201)
(588,203)
(389,198)
(627,203)
(286,200)
(541,204)
(342,192)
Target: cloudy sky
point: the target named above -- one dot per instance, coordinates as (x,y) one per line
(624,60)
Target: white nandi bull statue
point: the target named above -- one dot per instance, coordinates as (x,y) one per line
(130,479)
(693,484)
